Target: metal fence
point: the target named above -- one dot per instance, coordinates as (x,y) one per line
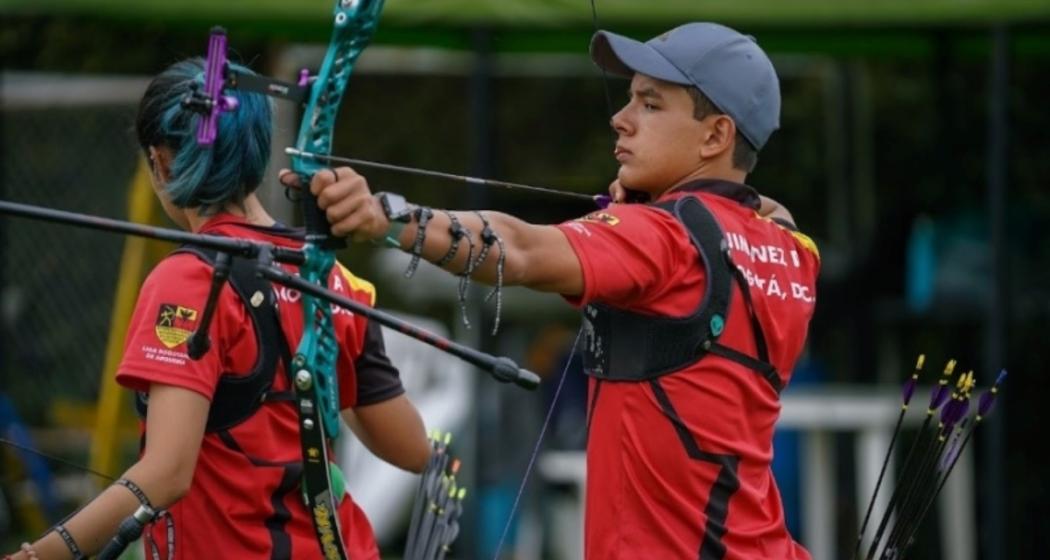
(76,153)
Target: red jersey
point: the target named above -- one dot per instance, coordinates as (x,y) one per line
(246,499)
(680,467)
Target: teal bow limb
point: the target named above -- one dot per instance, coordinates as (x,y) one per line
(313,366)
(354,24)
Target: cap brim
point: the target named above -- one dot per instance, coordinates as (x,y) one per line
(624,56)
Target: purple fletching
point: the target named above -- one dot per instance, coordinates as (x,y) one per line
(938,396)
(961,408)
(946,412)
(602,201)
(909,389)
(984,404)
(987,400)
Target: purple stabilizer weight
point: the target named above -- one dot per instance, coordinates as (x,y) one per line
(212,102)
(304,77)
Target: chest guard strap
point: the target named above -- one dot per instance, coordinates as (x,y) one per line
(624,345)
(237,397)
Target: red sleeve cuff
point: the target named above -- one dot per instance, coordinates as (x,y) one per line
(586,266)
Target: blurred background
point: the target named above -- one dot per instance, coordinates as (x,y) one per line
(913,149)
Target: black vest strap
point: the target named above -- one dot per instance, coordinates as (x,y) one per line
(627,346)
(237,396)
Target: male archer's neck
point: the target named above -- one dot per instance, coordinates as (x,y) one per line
(717,172)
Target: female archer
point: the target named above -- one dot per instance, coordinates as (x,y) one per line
(221,453)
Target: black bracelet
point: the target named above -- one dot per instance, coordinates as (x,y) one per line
(488,239)
(464,233)
(423,215)
(70,543)
(457,231)
(139,494)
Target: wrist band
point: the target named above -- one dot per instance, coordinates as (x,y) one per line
(139,494)
(70,543)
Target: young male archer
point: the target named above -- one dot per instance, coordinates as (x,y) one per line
(696,305)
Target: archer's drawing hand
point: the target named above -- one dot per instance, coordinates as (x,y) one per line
(347,201)
(621,194)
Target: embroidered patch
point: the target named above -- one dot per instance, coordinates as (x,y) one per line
(601,218)
(175,324)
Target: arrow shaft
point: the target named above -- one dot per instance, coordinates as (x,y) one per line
(437,174)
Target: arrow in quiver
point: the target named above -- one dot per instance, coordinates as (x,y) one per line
(930,459)
(434,525)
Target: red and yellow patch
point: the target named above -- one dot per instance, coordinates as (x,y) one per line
(600,218)
(175,324)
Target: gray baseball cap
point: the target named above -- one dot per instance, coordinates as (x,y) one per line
(727,66)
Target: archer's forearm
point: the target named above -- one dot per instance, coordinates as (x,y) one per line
(93,526)
(393,431)
(438,240)
(159,477)
(536,256)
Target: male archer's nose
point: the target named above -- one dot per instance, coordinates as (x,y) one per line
(619,124)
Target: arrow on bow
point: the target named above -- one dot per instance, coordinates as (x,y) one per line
(601,200)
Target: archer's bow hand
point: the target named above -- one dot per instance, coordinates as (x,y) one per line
(347,201)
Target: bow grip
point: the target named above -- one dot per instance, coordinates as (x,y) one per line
(318,229)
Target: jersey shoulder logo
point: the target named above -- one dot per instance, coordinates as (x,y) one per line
(601,218)
(175,324)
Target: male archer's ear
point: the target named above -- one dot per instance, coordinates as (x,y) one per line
(719,137)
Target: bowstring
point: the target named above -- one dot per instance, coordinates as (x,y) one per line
(536,448)
(575,344)
(55,459)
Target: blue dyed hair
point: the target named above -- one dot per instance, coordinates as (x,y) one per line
(205,177)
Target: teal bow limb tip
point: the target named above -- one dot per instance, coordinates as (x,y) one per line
(354,23)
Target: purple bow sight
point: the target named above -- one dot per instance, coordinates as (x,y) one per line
(211,102)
